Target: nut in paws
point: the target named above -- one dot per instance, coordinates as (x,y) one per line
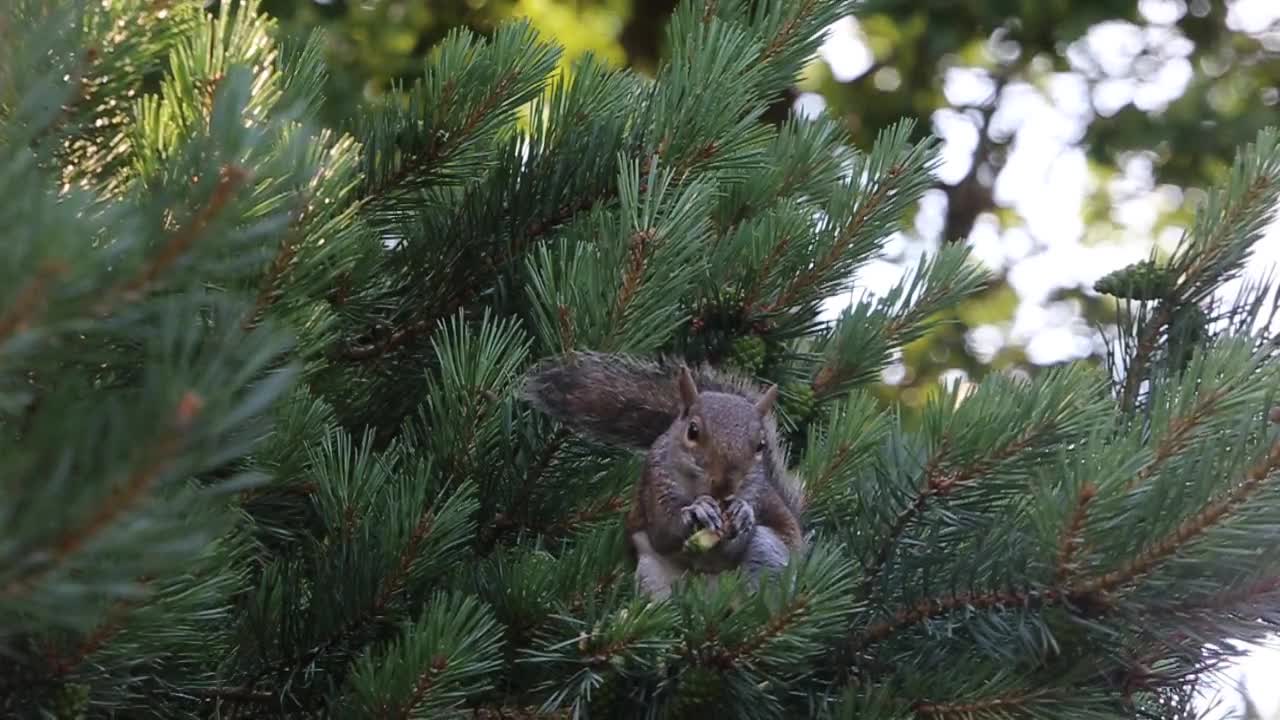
(704,513)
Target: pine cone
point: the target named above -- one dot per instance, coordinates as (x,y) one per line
(798,401)
(1140,281)
(604,699)
(748,353)
(71,701)
(697,694)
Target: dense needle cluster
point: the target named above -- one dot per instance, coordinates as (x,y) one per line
(262,452)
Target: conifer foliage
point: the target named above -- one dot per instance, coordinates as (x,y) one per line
(263,454)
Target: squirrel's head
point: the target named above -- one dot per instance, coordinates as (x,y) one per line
(722,435)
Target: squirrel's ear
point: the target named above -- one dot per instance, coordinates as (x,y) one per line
(765,403)
(688,390)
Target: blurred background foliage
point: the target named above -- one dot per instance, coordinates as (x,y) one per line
(957,65)
(1157,95)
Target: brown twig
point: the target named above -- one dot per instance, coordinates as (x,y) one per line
(940,482)
(390,585)
(238,695)
(500,712)
(753,293)
(502,523)
(777,625)
(27,302)
(788,29)
(405,333)
(230,179)
(96,638)
(123,499)
(930,608)
(610,506)
(426,681)
(270,290)
(632,274)
(1072,532)
(396,580)
(435,150)
(568,337)
(1179,435)
(823,265)
(471,286)
(974,708)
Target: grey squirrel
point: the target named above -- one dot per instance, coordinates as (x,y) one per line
(713,461)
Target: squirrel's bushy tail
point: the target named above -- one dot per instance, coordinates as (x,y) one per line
(627,402)
(612,399)
(616,399)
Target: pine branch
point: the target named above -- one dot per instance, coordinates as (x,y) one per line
(962,710)
(99,636)
(230,179)
(931,608)
(508,712)
(851,232)
(1180,434)
(27,303)
(786,36)
(122,500)
(395,582)
(1212,250)
(1072,532)
(1193,527)
(779,623)
(609,507)
(270,288)
(1086,593)
(632,274)
(940,482)
(502,523)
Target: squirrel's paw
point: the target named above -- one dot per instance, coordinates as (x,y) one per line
(704,513)
(742,517)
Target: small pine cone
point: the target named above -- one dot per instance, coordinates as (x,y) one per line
(798,401)
(748,354)
(71,701)
(1140,281)
(698,693)
(605,698)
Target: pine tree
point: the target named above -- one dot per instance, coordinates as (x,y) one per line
(264,456)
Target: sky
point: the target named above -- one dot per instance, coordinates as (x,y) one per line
(1046,181)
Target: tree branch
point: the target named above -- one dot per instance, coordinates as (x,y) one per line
(1088,593)
(940,482)
(123,499)
(230,179)
(28,300)
(1179,435)
(1071,540)
(999,705)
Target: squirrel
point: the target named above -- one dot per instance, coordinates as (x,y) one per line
(713,461)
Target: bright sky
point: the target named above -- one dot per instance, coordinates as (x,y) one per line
(1046,181)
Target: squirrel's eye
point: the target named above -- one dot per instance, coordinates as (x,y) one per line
(693,431)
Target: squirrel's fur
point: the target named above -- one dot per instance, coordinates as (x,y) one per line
(712,459)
